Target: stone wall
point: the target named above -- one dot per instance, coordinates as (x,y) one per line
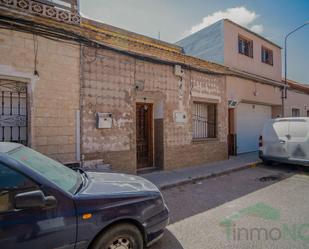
(109,85)
(53,96)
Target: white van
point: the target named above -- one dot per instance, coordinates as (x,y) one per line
(285,140)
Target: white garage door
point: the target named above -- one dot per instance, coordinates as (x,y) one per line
(250,121)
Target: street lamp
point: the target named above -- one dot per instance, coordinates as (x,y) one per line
(284,91)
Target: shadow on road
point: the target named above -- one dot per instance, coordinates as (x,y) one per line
(287,168)
(169,241)
(200,196)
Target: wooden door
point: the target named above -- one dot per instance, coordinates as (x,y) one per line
(144,140)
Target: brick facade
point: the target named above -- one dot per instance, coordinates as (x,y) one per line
(109,80)
(106,77)
(53,96)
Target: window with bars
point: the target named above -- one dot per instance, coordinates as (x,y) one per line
(204,120)
(13,111)
(267,56)
(245,46)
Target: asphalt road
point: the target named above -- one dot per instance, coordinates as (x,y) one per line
(262,207)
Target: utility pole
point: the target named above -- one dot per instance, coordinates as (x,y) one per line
(285,88)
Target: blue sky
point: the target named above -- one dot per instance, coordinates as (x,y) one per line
(174,19)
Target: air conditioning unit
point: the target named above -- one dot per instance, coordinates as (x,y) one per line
(179,71)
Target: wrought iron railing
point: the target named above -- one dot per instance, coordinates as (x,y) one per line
(60,10)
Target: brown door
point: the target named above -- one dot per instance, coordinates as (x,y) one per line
(144,148)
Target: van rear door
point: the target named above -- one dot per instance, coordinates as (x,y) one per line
(298,140)
(275,138)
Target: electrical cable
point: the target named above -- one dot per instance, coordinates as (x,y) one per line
(70,37)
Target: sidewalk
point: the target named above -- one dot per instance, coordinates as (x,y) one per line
(167,179)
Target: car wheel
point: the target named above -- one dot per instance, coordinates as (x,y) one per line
(120,236)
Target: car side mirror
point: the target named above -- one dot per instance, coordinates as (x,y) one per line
(34,199)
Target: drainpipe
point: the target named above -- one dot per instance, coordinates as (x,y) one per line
(79,115)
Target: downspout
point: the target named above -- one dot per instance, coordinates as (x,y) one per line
(79,113)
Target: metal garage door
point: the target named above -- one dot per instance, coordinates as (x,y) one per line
(250,121)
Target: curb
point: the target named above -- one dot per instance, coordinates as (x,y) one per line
(212,175)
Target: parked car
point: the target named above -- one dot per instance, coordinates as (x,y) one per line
(44,204)
(285,140)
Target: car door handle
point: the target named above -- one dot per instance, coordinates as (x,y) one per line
(282,141)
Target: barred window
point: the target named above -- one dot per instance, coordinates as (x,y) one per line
(267,56)
(245,46)
(204,120)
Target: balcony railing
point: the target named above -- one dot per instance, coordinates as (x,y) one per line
(60,10)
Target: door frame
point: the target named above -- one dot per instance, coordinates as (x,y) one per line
(150,134)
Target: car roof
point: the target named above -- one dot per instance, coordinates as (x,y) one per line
(292,119)
(5,147)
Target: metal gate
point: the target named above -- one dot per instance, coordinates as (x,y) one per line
(13,110)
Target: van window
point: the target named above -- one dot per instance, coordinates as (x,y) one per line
(280,128)
(298,128)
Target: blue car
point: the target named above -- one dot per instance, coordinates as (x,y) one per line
(44,204)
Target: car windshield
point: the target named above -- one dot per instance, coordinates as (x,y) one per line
(64,177)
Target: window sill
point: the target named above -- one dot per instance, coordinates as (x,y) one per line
(246,55)
(269,64)
(204,140)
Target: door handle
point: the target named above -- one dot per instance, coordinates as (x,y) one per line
(282,141)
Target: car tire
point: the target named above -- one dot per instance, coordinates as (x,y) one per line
(127,235)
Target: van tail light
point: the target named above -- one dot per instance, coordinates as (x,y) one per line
(261,141)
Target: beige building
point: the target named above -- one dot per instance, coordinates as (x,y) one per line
(39,89)
(254,99)
(96,94)
(155,109)
(88,93)
(297,101)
